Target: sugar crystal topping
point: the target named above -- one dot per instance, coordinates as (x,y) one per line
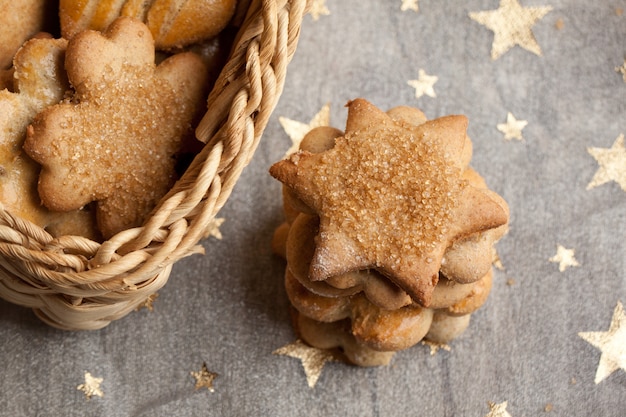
(394,191)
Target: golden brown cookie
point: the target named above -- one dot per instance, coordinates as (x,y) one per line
(20,21)
(379,329)
(336,335)
(40,81)
(390,196)
(173,23)
(114,141)
(300,248)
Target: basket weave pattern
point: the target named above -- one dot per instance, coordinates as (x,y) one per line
(74,283)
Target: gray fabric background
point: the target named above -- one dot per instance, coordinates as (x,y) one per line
(229,308)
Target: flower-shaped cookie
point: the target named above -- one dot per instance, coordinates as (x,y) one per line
(390,196)
(115,140)
(39,81)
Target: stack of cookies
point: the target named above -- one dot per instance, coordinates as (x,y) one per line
(389,234)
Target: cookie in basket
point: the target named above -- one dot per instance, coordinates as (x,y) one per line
(115,140)
(20,21)
(173,23)
(39,81)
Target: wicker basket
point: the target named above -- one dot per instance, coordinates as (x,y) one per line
(74,283)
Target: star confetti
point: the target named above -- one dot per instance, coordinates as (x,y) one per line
(297,130)
(91,386)
(611,343)
(313,359)
(622,70)
(512,129)
(317,8)
(409,5)
(204,378)
(511,25)
(424,84)
(565,258)
(435,347)
(148,303)
(496,261)
(612,163)
(213,228)
(498,410)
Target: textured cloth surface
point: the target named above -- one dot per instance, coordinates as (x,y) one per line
(229,308)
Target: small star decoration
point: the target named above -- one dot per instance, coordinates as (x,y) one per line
(511,25)
(204,378)
(435,347)
(91,386)
(612,163)
(409,5)
(611,343)
(297,130)
(213,229)
(148,303)
(498,410)
(424,84)
(565,258)
(313,359)
(512,129)
(622,70)
(318,8)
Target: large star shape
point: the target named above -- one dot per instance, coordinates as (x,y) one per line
(390,197)
(313,359)
(612,163)
(611,343)
(511,25)
(297,130)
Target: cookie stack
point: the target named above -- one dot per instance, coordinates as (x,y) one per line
(389,233)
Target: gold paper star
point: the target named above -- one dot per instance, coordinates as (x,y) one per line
(213,229)
(512,129)
(297,130)
(435,347)
(612,163)
(564,257)
(622,70)
(611,343)
(318,8)
(409,5)
(313,359)
(511,25)
(148,302)
(204,378)
(91,386)
(498,410)
(496,261)
(424,84)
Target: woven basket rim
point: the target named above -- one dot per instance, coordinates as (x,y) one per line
(74,283)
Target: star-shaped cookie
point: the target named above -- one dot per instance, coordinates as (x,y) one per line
(390,197)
